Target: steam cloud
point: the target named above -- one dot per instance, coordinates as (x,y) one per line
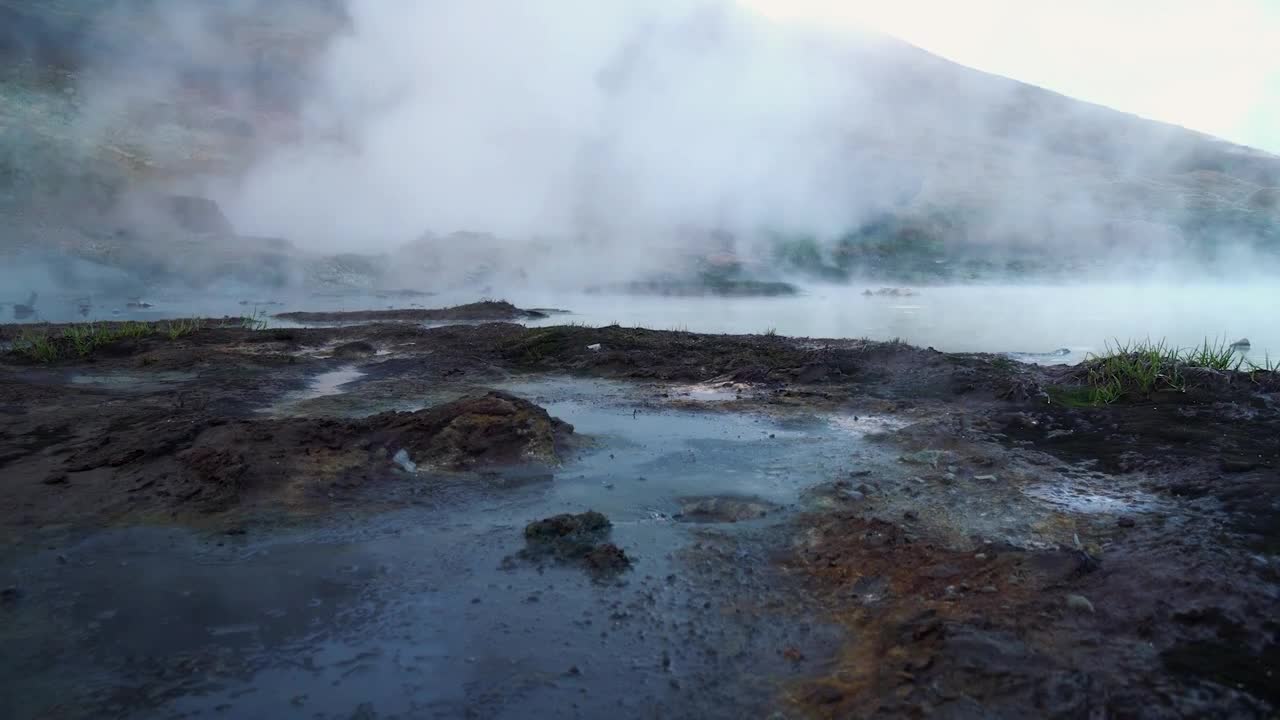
(610,122)
(627,132)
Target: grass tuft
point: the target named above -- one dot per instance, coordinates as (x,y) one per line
(77,340)
(256,320)
(1138,369)
(1134,370)
(37,346)
(180,328)
(1215,356)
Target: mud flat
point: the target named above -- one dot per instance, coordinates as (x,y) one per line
(486,311)
(827,528)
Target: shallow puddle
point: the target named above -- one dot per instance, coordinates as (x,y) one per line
(419,612)
(330,383)
(138,382)
(326,384)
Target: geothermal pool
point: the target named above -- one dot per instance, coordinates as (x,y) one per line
(959,318)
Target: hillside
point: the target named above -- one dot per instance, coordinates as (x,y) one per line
(958,174)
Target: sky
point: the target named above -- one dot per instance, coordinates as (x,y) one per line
(1208,66)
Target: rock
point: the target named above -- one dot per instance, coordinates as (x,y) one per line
(577,539)
(985,478)
(56,479)
(1241,344)
(594,347)
(564,526)
(722,509)
(1079,603)
(1125,521)
(10,594)
(401,458)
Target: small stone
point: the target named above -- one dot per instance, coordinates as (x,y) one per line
(56,479)
(10,594)
(910,515)
(594,347)
(985,478)
(988,589)
(1126,521)
(402,459)
(1080,603)
(980,556)
(573,671)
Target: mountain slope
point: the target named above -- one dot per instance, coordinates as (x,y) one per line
(945,171)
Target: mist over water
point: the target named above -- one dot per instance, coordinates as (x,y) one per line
(537,151)
(629,133)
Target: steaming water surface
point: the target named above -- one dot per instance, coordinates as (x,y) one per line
(968,318)
(959,318)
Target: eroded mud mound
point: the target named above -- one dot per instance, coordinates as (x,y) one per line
(483,430)
(208,464)
(495,428)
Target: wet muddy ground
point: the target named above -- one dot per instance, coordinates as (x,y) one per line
(330,522)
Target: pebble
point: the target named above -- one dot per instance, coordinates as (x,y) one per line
(985,478)
(1126,522)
